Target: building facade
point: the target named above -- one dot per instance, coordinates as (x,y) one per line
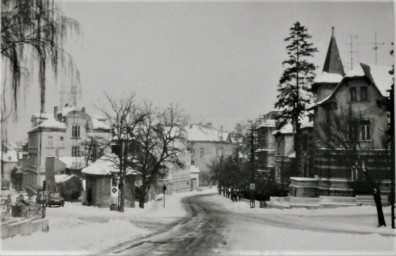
(207,144)
(60,134)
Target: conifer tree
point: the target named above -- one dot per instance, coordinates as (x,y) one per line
(294,85)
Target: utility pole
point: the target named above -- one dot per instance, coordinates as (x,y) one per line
(392,137)
(252,156)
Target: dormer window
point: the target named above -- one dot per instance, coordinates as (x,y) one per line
(352,93)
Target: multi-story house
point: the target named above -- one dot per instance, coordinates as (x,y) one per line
(349,118)
(207,144)
(265,147)
(356,104)
(60,135)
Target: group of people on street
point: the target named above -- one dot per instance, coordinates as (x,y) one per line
(234,193)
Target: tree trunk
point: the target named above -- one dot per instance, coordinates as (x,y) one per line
(141,200)
(378,204)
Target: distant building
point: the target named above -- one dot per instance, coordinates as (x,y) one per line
(206,144)
(265,149)
(284,155)
(60,135)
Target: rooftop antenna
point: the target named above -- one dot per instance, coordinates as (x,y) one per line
(375,48)
(351,43)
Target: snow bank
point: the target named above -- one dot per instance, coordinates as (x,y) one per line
(73,237)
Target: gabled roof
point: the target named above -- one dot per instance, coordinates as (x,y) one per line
(378,75)
(106,165)
(73,162)
(50,123)
(333,62)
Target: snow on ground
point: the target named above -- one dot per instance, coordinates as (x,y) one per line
(252,239)
(351,218)
(76,229)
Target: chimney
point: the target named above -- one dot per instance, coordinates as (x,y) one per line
(56,112)
(209,125)
(83,109)
(66,105)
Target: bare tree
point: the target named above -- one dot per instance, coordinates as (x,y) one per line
(94,148)
(124,116)
(158,142)
(340,134)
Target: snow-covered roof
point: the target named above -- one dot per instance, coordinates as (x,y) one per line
(285,129)
(378,75)
(292,155)
(73,162)
(197,132)
(98,117)
(66,110)
(50,123)
(98,124)
(325,77)
(60,178)
(106,165)
(307,125)
(381,78)
(264,150)
(267,123)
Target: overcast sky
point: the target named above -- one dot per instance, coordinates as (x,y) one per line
(221,61)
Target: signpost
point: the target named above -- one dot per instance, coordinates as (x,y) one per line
(163,191)
(44,200)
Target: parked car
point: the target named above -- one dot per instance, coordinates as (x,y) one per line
(42,197)
(55,199)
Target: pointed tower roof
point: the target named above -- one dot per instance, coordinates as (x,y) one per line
(333,62)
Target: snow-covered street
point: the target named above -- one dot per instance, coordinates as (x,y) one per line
(204,223)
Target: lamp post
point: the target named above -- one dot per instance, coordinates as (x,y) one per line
(252,156)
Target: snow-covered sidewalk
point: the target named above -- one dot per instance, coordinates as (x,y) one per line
(358,219)
(76,229)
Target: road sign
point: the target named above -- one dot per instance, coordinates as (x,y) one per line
(114,190)
(252,186)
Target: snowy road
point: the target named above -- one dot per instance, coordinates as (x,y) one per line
(197,234)
(211,229)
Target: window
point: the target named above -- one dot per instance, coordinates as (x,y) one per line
(365,130)
(201,152)
(363,93)
(61,142)
(352,92)
(192,163)
(76,131)
(192,152)
(76,151)
(50,141)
